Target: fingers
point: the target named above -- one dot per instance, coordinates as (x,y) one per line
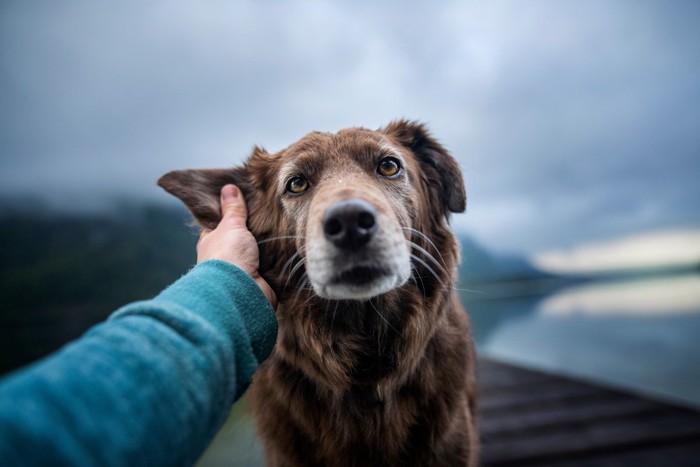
(233,207)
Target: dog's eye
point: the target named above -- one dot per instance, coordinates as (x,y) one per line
(389,167)
(297,185)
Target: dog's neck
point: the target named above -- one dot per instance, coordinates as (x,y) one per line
(373,346)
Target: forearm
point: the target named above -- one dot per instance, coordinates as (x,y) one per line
(151,386)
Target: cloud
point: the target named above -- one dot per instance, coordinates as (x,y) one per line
(570,121)
(649,250)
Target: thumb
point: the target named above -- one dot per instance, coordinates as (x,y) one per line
(233,207)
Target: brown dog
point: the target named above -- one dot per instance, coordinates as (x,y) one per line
(373,363)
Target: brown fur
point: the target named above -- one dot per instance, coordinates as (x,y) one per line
(385,381)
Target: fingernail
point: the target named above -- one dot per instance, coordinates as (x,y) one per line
(229,191)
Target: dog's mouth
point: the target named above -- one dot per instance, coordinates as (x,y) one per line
(360,275)
(358,282)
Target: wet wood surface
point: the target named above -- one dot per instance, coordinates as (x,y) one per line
(530,418)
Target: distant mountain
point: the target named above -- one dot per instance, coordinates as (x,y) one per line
(480,265)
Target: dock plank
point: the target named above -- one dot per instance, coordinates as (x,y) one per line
(534,418)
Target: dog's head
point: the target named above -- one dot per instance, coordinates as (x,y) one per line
(358,210)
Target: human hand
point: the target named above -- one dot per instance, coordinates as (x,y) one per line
(232,241)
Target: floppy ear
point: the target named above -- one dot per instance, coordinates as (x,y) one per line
(442,170)
(200,190)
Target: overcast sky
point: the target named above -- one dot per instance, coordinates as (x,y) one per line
(572,121)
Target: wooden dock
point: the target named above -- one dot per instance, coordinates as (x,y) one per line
(529,418)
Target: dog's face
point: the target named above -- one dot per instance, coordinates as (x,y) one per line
(343,207)
(349,196)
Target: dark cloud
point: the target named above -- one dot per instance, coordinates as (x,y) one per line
(572,121)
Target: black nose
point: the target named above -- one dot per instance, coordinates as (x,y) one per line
(350,224)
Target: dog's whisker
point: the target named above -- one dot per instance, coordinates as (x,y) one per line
(296,267)
(301,282)
(432,259)
(282,237)
(423,236)
(293,271)
(417,275)
(328,304)
(289,261)
(382,317)
(335,310)
(310,294)
(427,239)
(462,289)
(301,285)
(379,334)
(304,283)
(430,270)
(429,256)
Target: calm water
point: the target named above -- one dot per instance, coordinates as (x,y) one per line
(640,335)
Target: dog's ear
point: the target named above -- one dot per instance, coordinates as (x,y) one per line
(200,190)
(442,170)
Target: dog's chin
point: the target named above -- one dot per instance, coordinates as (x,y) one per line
(360,283)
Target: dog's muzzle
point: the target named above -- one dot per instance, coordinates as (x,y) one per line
(360,254)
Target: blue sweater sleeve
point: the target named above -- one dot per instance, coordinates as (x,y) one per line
(150,386)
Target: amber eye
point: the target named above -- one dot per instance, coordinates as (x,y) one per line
(389,167)
(297,185)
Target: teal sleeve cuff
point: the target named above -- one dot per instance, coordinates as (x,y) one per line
(227,297)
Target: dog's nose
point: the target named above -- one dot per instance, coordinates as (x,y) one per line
(350,224)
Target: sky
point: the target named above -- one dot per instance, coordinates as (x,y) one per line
(573,122)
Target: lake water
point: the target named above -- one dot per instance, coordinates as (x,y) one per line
(640,335)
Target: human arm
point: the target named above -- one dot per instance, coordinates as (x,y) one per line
(151,386)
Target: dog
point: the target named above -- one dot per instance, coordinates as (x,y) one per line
(373,363)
